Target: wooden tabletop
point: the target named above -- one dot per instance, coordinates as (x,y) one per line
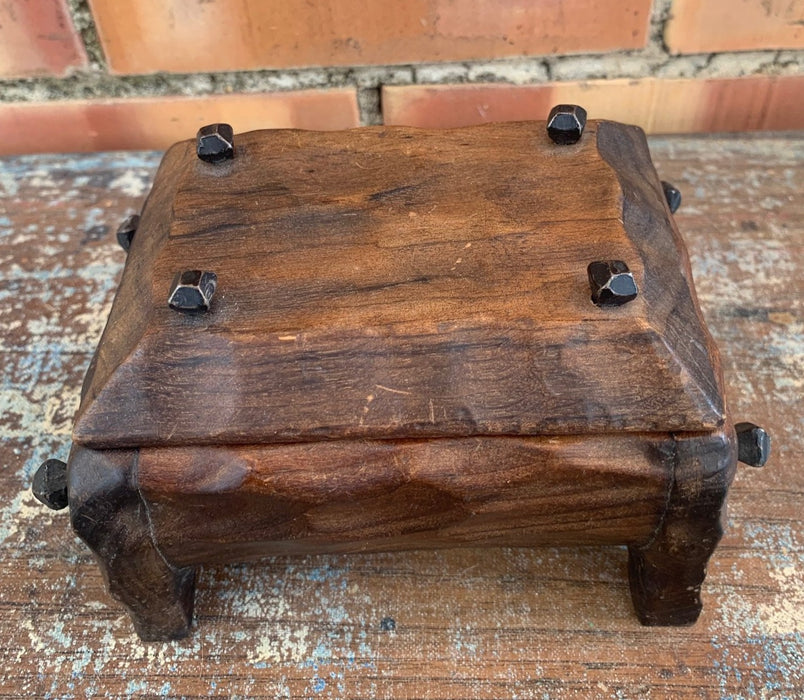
(473,623)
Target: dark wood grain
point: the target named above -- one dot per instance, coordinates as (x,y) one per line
(226,504)
(469,622)
(108,513)
(667,288)
(394,282)
(666,572)
(343,314)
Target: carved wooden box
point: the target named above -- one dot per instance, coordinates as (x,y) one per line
(401,351)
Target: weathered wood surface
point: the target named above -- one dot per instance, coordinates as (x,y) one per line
(468,622)
(107,512)
(398,282)
(666,573)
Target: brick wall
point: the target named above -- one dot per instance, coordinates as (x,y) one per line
(81,75)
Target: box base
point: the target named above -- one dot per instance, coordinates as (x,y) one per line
(153,575)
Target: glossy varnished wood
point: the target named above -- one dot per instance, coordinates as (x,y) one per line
(394,282)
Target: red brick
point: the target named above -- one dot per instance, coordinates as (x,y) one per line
(703,26)
(156,123)
(658,106)
(446,106)
(142,36)
(786,105)
(755,103)
(37,37)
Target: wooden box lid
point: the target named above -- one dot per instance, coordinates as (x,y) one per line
(393,282)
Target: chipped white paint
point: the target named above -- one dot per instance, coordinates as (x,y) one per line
(282,645)
(132,183)
(8,183)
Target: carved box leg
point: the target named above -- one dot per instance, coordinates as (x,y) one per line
(666,573)
(108,513)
